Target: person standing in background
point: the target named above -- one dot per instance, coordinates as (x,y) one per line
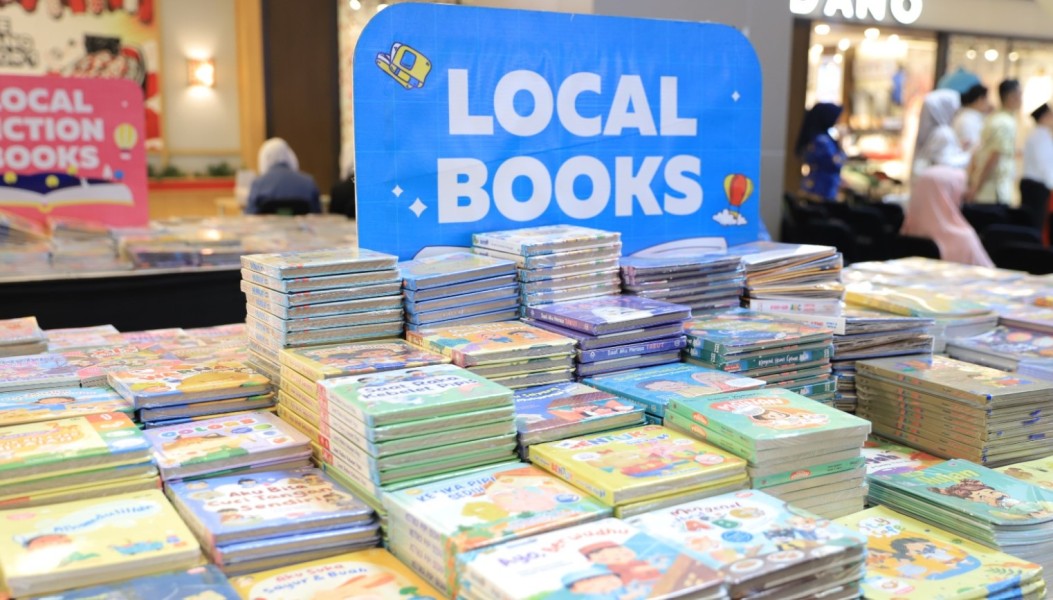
(934,212)
(281,180)
(937,142)
(993,172)
(969,123)
(1037,181)
(820,152)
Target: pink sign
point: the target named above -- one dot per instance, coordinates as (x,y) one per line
(72,147)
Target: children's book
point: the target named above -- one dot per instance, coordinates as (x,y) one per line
(314,263)
(58,403)
(172,335)
(36,371)
(52,548)
(1037,472)
(610,314)
(590,342)
(453,267)
(374,574)
(22,330)
(258,292)
(742,330)
(212,408)
(548,239)
(93,364)
(656,387)
(888,458)
(327,282)
(913,301)
(197,583)
(470,345)
(603,559)
(83,337)
(632,465)
(182,383)
(549,412)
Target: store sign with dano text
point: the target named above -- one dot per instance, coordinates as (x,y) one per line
(472,119)
(905,12)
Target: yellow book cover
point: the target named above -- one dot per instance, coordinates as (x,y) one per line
(91,542)
(1036,472)
(637,464)
(374,574)
(910,559)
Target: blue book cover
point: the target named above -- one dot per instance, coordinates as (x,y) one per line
(610,314)
(454,267)
(590,342)
(559,406)
(58,403)
(199,583)
(654,387)
(346,538)
(629,350)
(262,505)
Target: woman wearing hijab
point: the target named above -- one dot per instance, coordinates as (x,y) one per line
(935,213)
(281,181)
(937,142)
(820,152)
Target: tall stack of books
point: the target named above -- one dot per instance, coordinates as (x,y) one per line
(318,297)
(402,426)
(514,354)
(955,409)
(249,523)
(978,504)
(50,404)
(459,288)
(175,391)
(783,352)
(706,283)
(430,525)
(555,412)
(589,320)
(799,450)
(557,263)
(21,336)
(764,546)
(1023,351)
(73,458)
(655,387)
(791,272)
(643,468)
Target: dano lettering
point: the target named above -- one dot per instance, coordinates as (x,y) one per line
(906,12)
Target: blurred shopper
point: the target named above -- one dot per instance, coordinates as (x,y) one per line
(342,194)
(969,123)
(934,212)
(280,187)
(993,172)
(937,142)
(820,152)
(1038,168)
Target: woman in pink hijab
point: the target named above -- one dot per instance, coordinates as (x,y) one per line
(935,213)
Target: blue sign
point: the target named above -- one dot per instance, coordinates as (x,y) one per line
(473,119)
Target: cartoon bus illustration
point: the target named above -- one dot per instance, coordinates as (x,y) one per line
(407,66)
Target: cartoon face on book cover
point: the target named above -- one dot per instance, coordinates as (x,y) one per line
(908,558)
(744,328)
(548,406)
(770,412)
(749,533)
(607,559)
(888,458)
(367,357)
(674,382)
(189,377)
(97,362)
(494,337)
(45,405)
(1037,472)
(1014,342)
(52,441)
(221,438)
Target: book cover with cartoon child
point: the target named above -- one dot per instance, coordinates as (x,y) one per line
(549,409)
(656,387)
(907,558)
(180,383)
(50,548)
(637,464)
(341,360)
(888,458)
(481,343)
(32,406)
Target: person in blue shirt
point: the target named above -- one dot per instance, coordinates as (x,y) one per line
(822,154)
(280,179)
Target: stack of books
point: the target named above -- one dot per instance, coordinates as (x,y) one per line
(249,523)
(764,546)
(514,354)
(909,558)
(21,336)
(76,457)
(99,541)
(655,387)
(799,450)
(783,352)
(888,458)
(33,406)
(398,426)
(790,272)
(93,365)
(1023,351)
(555,412)
(429,525)
(557,263)
(706,283)
(36,372)
(978,504)
(641,469)
(175,391)
(604,559)
(955,409)
(589,320)
(76,338)
(458,289)
(298,299)
(196,582)
(246,443)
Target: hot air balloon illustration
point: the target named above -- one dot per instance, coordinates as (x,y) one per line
(125,137)
(738,189)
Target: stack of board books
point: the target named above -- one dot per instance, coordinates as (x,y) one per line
(240,444)
(430,525)
(459,288)
(298,299)
(588,320)
(271,519)
(978,504)
(77,338)
(956,409)
(399,427)
(889,458)
(764,546)
(99,541)
(1038,472)
(706,283)
(36,372)
(33,406)
(604,559)
(557,263)
(783,352)
(204,582)
(907,558)
(514,354)
(655,387)
(373,573)
(555,412)
(75,457)
(798,450)
(1023,351)
(21,336)
(643,468)
(93,365)
(781,272)
(173,391)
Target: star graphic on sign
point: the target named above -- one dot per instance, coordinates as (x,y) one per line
(736,96)
(396,190)
(418,207)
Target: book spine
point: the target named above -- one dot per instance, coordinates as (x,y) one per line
(810,308)
(718,431)
(561,320)
(263,316)
(775,360)
(263,280)
(257,267)
(814,471)
(688,426)
(491,243)
(628,350)
(297,379)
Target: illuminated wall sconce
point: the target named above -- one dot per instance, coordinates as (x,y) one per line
(201,72)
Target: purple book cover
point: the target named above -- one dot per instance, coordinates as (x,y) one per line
(610,314)
(591,342)
(637,349)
